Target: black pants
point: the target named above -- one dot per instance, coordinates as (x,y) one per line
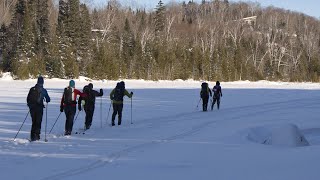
(89,115)
(69,111)
(117,109)
(36,113)
(215,99)
(205,103)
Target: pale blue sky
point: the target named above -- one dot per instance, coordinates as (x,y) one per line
(309,7)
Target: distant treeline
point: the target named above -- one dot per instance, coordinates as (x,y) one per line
(211,40)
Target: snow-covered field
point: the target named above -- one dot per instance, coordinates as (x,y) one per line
(169,138)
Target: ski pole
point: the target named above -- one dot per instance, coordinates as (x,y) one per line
(21,125)
(131,111)
(55,123)
(101,111)
(45,131)
(108,113)
(198,103)
(76,117)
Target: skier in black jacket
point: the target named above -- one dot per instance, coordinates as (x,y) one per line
(89,103)
(204,94)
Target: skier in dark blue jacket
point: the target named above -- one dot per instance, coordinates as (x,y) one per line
(35,99)
(217,94)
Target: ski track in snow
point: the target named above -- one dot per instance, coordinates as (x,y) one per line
(265,107)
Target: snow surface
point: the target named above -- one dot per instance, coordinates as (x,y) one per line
(170,138)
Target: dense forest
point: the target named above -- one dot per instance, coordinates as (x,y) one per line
(211,40)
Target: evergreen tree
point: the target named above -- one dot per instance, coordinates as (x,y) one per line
(159,18)
(13,35)
(3,34)
(43,28)
(26,46)
(84,49)
(66,35)
(54,66)
(128,48)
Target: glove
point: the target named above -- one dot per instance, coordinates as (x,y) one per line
(131,93)
(101,90)
(61,108)
(79,107)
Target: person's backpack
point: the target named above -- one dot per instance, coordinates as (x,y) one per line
(34,96)
(216,91)
(204,90)
(68,96)
(90,99)
(118,93)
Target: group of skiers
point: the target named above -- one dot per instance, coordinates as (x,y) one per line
(38,94)
(206,91)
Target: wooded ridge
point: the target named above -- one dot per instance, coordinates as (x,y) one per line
(212,40)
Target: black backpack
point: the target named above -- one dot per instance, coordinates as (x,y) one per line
(204,90)
(34,96)
(216,91)
(67,94)
(118,93)
(90,99)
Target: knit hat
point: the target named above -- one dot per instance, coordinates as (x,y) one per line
(72,83)
(90,86)
(40,80)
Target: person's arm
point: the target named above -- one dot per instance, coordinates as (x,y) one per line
(45,95)
(210,92)
(81,94)
(128,94)
(28,97)
(79,103)
(62,100)
(112,94)
(96,93)
(220,92)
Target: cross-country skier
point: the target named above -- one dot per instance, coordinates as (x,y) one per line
(204,94)
(217,94)
(89,103)
(116,96)
(68,105)
(35,99)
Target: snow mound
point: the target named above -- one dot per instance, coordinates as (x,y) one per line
(287,135)
(6,76)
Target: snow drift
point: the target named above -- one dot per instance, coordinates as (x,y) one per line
(287,135)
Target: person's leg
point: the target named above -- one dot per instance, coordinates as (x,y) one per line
(38,121)
(72,114)
(89,116)
(120,107)
(213,102)
(33,127)
(205,103)
(115,111)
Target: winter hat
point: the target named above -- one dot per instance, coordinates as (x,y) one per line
(90,86)
(72,83)
(40,80)
(122,84)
